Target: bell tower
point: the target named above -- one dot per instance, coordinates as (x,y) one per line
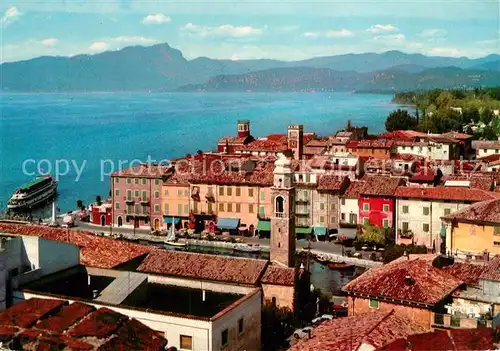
(296,140)
(283,215)
(243,128)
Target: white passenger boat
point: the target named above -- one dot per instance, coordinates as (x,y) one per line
(33,193)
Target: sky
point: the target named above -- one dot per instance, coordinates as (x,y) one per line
(240,29)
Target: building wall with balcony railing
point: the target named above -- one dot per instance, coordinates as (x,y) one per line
(175,201)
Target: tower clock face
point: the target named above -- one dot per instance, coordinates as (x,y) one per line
(293,134)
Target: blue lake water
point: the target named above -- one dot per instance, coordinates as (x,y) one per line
(128,126)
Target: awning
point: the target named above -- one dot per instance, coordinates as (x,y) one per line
(168,220)
(228,223)
(307,230)
(320,230)
(264,225)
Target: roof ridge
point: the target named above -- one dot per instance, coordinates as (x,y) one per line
(158,249)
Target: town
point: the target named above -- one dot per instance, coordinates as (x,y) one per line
(419,211)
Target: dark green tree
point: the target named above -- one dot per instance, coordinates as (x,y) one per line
(487,116)
(400,120)
(79,204)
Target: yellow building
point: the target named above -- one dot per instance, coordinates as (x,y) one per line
(473,230)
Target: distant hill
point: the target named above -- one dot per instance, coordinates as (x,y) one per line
(325,79)
(162,68)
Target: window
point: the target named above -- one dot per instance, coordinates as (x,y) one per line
(137,208)
(129,194)
(496,230)
(322,219)
(225,337)
(186,192)
(195,207)
(221,207)
(117,192)
(157,208)
(238,208)
(186,342)
(308,178)
(157,182)
(117,180)
(210,209)
(405,226)
(447,211)
(136,193)
(262,196)
(332,219)
(496,243)
(386,223)
(179,209)
(179,192)
(322,206)
(165,209)
(374,304)
(405,209)
(186,209)
(238,191)
(144,195)
(229,207)
(425,227)
(250,208)
(128,180)
(136,180)
(280,204)
(332,207)
(342,217)
(129,209)
(145,210)
(262,211)
(221,191)
(240,326)
(366,221)
(117,205)
(229,191)
(165,193)
(426,211)
(250,192)
(343,201)
(157,194)
(366,207)
(353,218)
(385,208)
(144,181)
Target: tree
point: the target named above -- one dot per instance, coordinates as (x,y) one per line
(487,116)
(98,200)
(348,126)
(471,114)
(79,204)
(400,120)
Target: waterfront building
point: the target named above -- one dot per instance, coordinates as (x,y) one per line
(136,196)
(372,148)
(485,148)
(101,214)
(419,211)
(349,204)
(474,229)
(377,200)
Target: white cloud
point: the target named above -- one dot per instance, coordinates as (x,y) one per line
(49,42)
(134,40)
(156,19)
(390,37)
(431,33)
(444,51)
(98,46)
(11,15)
(377,28)
(343,33)
(225,30)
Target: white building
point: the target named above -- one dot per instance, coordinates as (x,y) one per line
(349,206)
(431,146)
(419,211)
(484,147)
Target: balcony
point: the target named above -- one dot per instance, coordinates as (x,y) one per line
(302,211)
(145,201)
(195,193)
(302,200)
(210,197)
(279,214)
(128,200)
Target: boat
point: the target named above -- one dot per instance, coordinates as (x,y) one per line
(251,248)
(340,265)
(321,259)
(171,238)
(33,193)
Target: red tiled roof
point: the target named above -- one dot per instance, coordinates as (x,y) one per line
(450,193)
(423,175)
(144,171)
(486,144)
(379,164)
(457,135)
(57,325)
(380,185)
(313,150)
(348,333)
(371,144)
(279,275)
(354,189)
(95,251)
(332,182)
(452,340)
(428,285)
(232,140)
(401,135)
(481,180)
(489,158)
(264,145)
(465,271)
(318,143)
(203,266)
(492,270)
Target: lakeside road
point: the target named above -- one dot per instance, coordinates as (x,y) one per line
(322,247)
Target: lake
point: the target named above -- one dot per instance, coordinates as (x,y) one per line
(85,133)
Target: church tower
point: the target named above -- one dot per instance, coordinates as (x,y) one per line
(296,140)
(283,215)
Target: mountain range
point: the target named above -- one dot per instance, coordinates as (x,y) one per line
(163,68)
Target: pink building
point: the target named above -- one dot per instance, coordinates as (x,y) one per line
(136,196)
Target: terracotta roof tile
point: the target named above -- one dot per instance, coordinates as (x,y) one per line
(465,271)
(55,325)
(486,144)
(457,135)
(279,275)
(144,171)
(307,150)
(95,251)
(489,158)
(354,189)
(483,181)
(492,270)
(332,182)
(401,135)
(203,266)
(232,140)
(348,333)
(450,193)
(427,285)
(380,185)
(371,144)
(318,143)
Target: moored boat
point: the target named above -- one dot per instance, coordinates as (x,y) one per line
(33,193)
(171,237)
(247,248)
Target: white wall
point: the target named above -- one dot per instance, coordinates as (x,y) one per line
(349,206)
(198,284)
(433,151)
(482,152)
(416,219)
(55,256)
